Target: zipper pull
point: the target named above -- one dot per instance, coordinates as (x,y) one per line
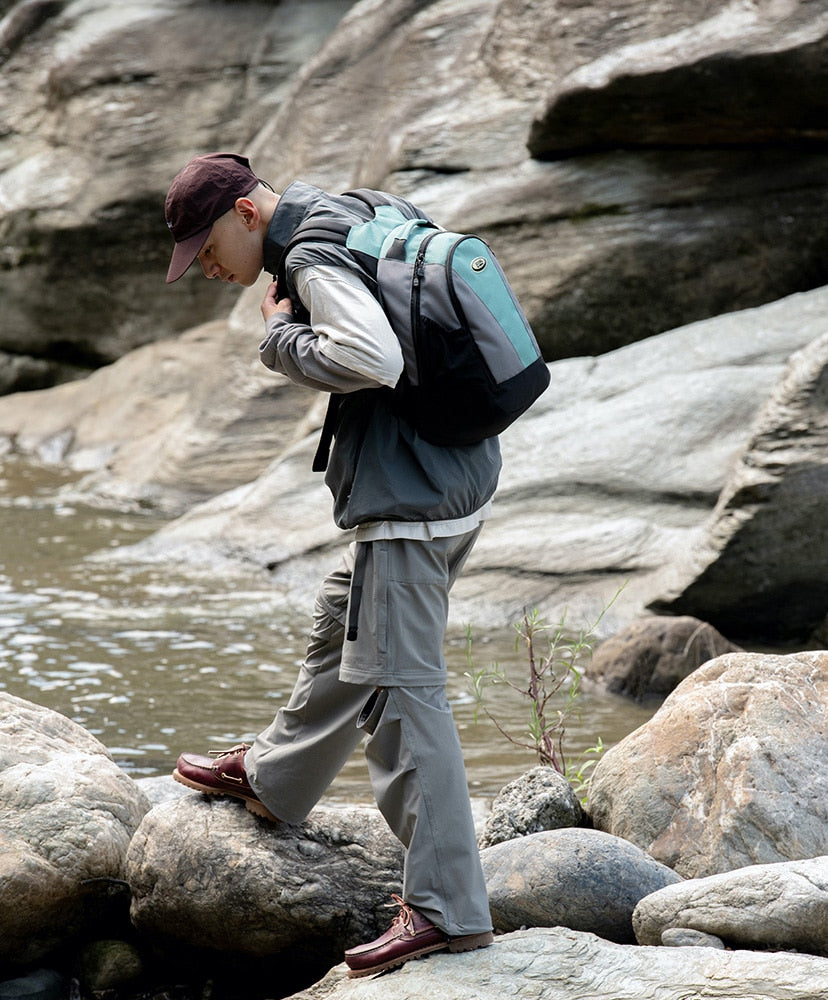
(419,267)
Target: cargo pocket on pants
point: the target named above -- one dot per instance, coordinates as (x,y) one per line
(372,711)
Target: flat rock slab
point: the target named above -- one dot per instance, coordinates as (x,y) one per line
(761,906)
(557,964)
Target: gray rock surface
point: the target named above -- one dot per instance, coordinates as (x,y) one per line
(206,874)
(771,519)
(608,480)
(110,964)
(541,799)
(162,788)
(614,224)
(582,879)
(685,937)
(584,237)
(100,105)
(763,49)
(731,771)
(67,814)
(558,964)
(782,906)
(652,655)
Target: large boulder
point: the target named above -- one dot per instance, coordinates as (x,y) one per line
(67,815)
(636,93)
(783,906)
(654,654)
(584,237)
(731,771)
(582,879)
(759,570)
(100,105)
(668,224)
(208,877)
(559,964)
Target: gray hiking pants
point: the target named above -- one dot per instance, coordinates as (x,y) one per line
(401,710)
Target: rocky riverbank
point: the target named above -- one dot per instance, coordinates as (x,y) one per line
(649,173)
(109,884)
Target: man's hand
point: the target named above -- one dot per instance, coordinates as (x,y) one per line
(272,303)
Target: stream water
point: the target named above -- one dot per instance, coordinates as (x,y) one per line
(152,661)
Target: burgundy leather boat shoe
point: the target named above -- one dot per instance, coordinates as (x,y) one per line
(221,773)
(409,936)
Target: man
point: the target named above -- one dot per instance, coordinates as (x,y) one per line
(374,668)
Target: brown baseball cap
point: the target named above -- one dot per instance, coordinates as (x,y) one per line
(199,194)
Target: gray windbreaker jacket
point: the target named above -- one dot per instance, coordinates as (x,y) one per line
(379,469)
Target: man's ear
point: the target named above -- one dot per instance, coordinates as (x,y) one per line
(247,212)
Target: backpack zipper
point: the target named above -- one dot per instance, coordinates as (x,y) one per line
(416,280)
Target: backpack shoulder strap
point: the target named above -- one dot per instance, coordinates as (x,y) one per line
(322,230)
(318,230)
(373,199)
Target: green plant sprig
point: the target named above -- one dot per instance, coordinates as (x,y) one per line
(554,655)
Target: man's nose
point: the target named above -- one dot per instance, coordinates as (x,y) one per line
(210,268)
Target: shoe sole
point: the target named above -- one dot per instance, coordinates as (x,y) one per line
(469,942)
(384,966)
(253,805)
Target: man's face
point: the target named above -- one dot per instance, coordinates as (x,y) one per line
(233,250)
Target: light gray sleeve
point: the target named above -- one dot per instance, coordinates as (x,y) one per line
(351,325)
(348,343)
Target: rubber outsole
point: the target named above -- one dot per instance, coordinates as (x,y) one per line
(469,942)
(253,805)
(385,966)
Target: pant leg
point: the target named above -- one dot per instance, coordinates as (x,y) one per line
(294,760)
(419,780)
(414,755)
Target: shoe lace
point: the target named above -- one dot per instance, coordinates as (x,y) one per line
(404,918)
(239,748)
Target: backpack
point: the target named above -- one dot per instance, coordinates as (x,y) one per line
(471,362)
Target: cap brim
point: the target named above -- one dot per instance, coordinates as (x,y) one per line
(185,253)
